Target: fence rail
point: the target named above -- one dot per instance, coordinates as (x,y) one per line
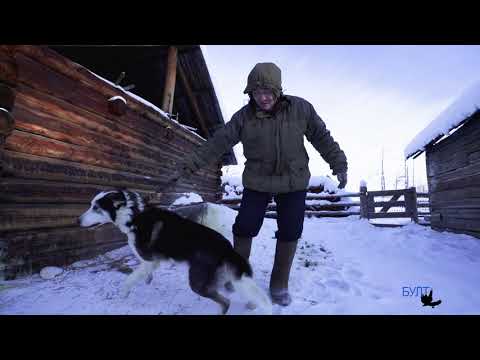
(405,199)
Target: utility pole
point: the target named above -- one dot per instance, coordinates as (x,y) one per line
(383,177)
(406,175)
(413,170)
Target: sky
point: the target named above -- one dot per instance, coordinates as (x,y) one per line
(371,97)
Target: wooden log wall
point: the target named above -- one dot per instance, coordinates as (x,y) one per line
(453,172)
(65,146)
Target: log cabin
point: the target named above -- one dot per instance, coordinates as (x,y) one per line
(76,120)
(451,143)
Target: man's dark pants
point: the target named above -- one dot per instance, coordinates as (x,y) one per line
(290,214)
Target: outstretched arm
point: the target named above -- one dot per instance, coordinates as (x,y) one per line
(209,152)
(318,134)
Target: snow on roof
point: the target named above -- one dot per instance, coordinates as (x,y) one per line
(467,104)
(145,102)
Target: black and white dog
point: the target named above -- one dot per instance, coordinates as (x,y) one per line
(155,234)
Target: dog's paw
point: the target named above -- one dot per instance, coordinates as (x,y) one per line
(250,305)
(124,292)
(149,279)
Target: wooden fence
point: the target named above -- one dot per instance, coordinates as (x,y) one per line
(367,205)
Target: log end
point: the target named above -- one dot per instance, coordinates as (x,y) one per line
(7,123)
(117,106)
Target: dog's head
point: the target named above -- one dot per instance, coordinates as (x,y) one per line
(117,206)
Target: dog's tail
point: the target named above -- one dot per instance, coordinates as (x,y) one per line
(247,288)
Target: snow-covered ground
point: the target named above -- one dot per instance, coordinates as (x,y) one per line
(342,266)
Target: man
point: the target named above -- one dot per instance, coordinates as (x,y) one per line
(271,127)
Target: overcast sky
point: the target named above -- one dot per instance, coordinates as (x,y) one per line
(370,97)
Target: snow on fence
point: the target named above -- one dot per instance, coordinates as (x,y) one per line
(404,203)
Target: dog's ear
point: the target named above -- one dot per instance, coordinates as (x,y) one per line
(118,199)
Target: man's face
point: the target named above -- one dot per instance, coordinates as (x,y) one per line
(265,98)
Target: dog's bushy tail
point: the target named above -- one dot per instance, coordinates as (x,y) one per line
(241,278)
(252,293)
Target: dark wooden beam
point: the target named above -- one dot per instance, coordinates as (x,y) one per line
(170,78)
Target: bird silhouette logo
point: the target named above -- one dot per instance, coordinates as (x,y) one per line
(427,300)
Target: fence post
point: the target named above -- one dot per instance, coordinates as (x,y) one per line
(363,201)
(413,202)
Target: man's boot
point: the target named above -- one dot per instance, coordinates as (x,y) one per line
(284,254)
(241,245)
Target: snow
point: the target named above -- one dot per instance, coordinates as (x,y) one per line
(117,97)
(3,109)
(234,187)
(50,272)
(467,104)
(328,184)
(145,102)
(342,266)
(188,198)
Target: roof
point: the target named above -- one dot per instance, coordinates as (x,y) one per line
(145,67)
(458,113)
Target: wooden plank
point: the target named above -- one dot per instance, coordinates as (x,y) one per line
(388,215)
(386,192)
(139,146)
(388,204)
(48,125)
(332,213)
(387,225)
(31,166)
(32,216)
(462,213)
(170,78)
(330,197)
(46,247)
(8,68)
(94,85)
(441,184)
(42,191)
(455,195)
(38,145)
(147,142)
(339,204)
(461,224)
(25,238)
(42,146)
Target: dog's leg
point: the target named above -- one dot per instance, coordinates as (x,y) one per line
(152,266)
(219,299)
(202,281)
(143,271)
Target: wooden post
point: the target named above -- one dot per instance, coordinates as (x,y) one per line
(170,78)
(363,201)
(7,123)
(413,202)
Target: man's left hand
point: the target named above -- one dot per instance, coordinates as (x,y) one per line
(342,178)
